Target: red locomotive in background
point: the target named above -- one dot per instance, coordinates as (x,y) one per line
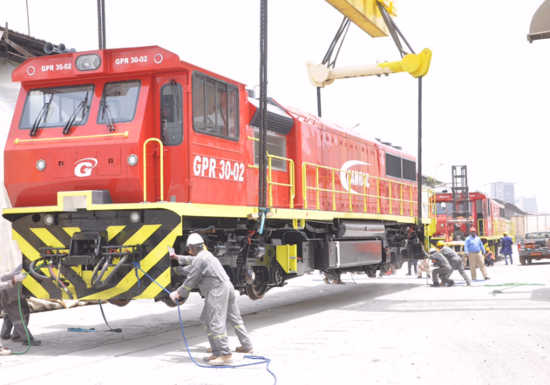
(113,155)
(485,215)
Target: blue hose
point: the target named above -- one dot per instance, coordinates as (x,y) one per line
(263,213)
(260,359)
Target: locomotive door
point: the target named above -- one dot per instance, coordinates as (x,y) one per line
(171,110)
(217,160)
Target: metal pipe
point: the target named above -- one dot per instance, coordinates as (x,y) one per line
(319,101)
(101,23)
(419,175)
(263,107)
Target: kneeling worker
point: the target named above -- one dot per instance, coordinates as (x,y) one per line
(443,268)
(454,260)
(207,273)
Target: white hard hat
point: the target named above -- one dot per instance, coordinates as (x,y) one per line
(194,239)
(433,250)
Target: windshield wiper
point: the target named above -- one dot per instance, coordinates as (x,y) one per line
(80,107)
(41,116)
(106,111)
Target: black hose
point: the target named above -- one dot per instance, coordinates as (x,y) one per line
(98,284)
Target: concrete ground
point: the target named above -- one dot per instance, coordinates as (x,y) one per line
(390,330)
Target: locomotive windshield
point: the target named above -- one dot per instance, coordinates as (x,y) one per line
(118,103)
(54,107)
(444,208)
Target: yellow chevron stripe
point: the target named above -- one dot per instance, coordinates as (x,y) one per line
(153,289)
(71,230)
(35,288)
(140,236)
(26,248)
(31,253)
(146,264)
(45,236)
(112,231)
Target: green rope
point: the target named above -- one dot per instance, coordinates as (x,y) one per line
(22,321)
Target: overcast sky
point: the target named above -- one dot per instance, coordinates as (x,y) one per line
(484,97)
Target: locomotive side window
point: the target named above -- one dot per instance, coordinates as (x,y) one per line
(393,166)
(52,107)
(275,145)
(400,168)
(119,101)
(215,107)
(171,113)
(409,169)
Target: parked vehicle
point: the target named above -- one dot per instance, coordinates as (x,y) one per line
(534,246)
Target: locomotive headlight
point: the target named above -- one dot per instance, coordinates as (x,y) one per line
(132,160)
(88,62)
(40,164)
(49,219)
(134,217)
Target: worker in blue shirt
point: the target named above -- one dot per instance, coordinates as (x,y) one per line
(473,247)
(506,248)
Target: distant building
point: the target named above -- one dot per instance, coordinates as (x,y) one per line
(528,204)
(503,191)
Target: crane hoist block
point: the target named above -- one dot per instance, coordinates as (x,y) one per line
(365,14)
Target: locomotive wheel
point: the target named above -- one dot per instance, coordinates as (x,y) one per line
(371,272)
(258,287)
(256,290)
(119,302)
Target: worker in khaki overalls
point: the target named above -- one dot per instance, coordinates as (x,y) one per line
(207,273)
(473,246)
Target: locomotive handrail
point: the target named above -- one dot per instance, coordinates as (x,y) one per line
(364,194)
(161,146)
(291,179)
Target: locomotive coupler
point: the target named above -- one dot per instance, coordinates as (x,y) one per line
(88,251)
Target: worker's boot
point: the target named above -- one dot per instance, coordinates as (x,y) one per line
(210,358)
(242,349)
(4,351)
(222,360)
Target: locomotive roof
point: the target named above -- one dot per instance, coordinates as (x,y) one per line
(346,132)
(115,61)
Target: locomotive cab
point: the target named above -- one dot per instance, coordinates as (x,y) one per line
(81,122)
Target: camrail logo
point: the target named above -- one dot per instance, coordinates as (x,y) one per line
(83,167)
(349,177)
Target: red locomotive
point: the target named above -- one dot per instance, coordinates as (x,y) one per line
(113,155)
(485,215)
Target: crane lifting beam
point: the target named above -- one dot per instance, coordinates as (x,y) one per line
(415,64)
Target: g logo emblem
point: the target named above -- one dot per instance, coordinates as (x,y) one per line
(84,167)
